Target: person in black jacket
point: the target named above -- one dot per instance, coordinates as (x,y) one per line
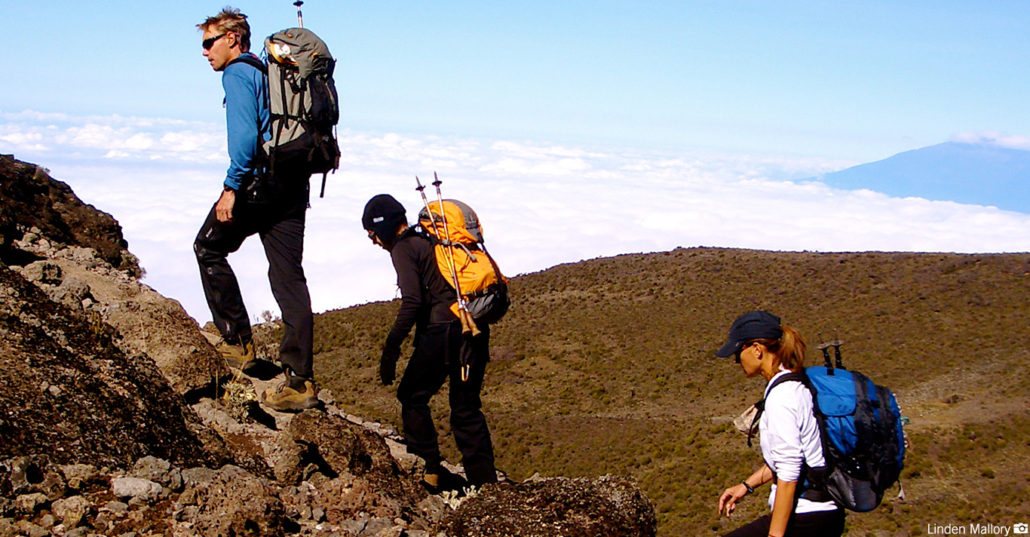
(440,348)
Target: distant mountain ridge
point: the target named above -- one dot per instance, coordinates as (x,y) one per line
(974,173)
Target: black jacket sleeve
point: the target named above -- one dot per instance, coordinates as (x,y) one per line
(406,263)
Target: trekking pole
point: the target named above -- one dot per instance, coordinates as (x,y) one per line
(422,190)
(468,324)
(825,347)
(300,16)
(836,351)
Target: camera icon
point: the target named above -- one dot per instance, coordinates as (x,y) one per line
(1020,529)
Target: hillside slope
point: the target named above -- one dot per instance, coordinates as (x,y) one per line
(608,366)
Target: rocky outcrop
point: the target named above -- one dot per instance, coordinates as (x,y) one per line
(40,497)
(144,321)
(364,476)
(78,256)
(31,198)
(70,392)
(120,419)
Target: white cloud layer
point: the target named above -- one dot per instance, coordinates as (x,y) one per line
(541,204)
(116,138)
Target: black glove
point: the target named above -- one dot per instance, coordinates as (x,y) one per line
(388,365)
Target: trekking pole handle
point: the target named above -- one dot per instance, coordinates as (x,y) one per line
(300,16)
(468,324)
(826,356)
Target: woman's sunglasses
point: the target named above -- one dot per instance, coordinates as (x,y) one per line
(736,355)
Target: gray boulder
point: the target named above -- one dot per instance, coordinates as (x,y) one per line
(45,272)
(71,510)
(134,487)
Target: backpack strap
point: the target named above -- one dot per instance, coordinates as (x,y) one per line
(760,405)
(252,61)
(279,128)
(811,483)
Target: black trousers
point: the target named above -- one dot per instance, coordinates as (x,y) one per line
(817,524)
(437,358)
(281,228)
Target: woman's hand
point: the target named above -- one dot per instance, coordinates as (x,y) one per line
(728,498)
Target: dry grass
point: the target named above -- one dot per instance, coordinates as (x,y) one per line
(608,366)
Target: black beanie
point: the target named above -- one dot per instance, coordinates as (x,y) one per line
(383,215)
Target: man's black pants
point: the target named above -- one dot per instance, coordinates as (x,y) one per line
(281,229)
(437,357)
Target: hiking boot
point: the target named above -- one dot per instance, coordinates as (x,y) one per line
(295,393)
(237,356)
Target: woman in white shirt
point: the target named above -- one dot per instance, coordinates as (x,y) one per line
(788,430)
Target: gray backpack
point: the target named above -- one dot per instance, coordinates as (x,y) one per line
(303,104)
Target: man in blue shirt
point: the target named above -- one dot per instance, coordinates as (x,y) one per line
(255,202)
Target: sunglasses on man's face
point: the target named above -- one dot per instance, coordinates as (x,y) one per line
(210,42)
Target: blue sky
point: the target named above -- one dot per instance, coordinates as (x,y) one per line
(576,129)
(844,80)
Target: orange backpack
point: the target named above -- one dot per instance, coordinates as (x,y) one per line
(481,283)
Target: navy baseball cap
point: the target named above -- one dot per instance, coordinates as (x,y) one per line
(748,327)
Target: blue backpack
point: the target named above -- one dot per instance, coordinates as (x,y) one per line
(861,428)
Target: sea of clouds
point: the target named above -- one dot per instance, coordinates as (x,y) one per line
(541,204)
